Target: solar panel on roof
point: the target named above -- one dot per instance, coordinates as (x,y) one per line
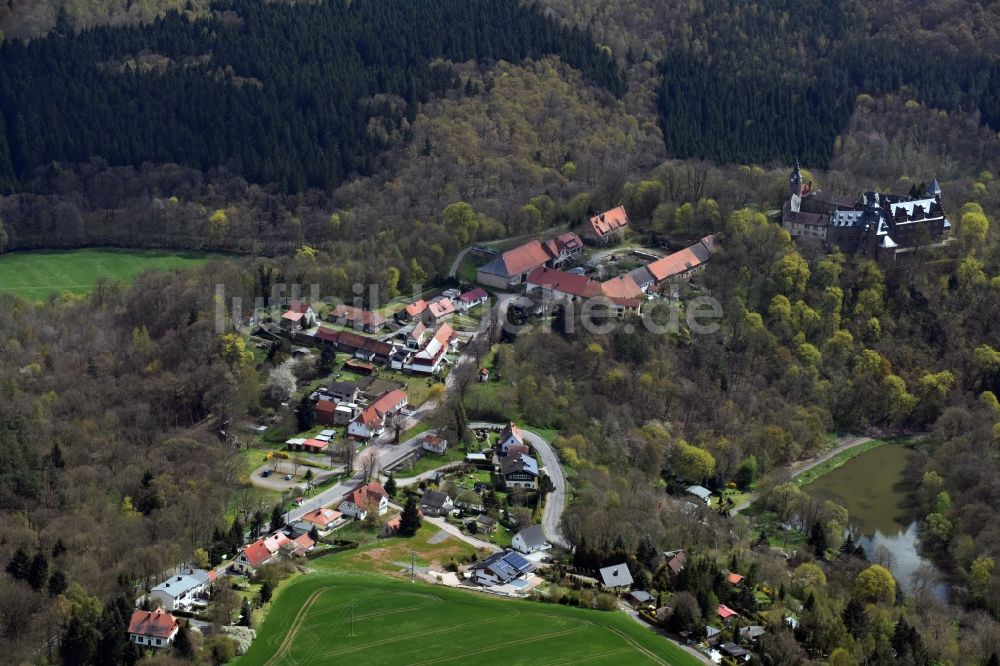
(518,562)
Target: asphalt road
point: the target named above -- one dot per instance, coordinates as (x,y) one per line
(555,503)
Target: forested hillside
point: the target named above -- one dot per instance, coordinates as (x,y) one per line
(302,96)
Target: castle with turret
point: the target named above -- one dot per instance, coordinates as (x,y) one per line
(876,224)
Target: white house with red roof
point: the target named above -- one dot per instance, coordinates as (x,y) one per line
(299,315)
(156,629)
(509,436)
(472,298)
(260,552)
(323,519)
(371,421)
(428,359)
(369,497)
(606,227)
(439,310)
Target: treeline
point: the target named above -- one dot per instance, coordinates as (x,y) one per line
(735,93)
(300,95)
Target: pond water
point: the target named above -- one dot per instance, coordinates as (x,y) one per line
(876,495)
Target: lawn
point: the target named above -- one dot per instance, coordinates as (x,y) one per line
(35,275)
(327,618)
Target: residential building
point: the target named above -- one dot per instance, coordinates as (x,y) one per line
(472,298)
(371,421)
(346,412)
(511,268)
(702,493)
(343,391)
(323,519)
(367,498)
(181,591)
(436,503)
(519,471)
(359,346)
(360,319)
(428,359)
(252,556)
(434,444)
(414,310)
(735,652)
(617,577)
(415,335)
(325,411)
(486,523)
(156,629)
(438,311)
(510,434)
(501,568)
(554,286)
(681,265)
(530,540)
(606,227)
(563,248)
(300,545)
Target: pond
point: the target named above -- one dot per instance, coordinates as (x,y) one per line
(876,495)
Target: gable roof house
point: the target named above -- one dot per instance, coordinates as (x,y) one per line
(701,492)
(359,346)
(510,434)
(501,568)
(428,359)
(413,310)
(415,336)
(530,540)
(357,318)
(606,227)
(181,591)
(436,503)
(512,267)
(439,310)
(343,391)
(563,248)
(472,298)
(616,577)
(434,443)
(252,555)
(322,519)
(154,629)
(519,470)
(683,264)
(371,421)
(369,497)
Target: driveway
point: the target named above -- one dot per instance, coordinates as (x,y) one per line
(555,502)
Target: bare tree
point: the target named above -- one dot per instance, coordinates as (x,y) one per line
(369,464)
(347,452)
(398,423)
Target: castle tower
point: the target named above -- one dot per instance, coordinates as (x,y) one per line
(795,180)
(934,190)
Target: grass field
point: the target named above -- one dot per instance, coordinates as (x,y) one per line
(326,618)
(36,275)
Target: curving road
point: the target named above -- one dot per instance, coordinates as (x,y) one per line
(555,502)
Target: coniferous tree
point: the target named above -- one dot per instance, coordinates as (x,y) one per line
(183,647)
(305,415)
(79,642)
(277,518)
(390,485)
(19,564)
(38,571)
(58,582)
(410,521)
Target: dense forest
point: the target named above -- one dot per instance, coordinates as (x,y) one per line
(300,96)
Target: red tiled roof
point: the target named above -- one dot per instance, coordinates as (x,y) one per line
(415,308)
(621,287)
(444,334)
(473,295)
(608,221)
(275,541)
(726,612)
(358,315)
(321,517)
(327,334)
(567,283)
(734,579)
(158,623)
(326,407)
(441,308)
(675,264)
(711,243)
(352,364)
(355,341)
(256,553)
(315,444)
(387,402)
(371,492)
(292,315)
(303,542)
(298,306)
(514,449)
(525,258)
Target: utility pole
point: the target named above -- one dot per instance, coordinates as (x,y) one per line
(413,565)
(352,620)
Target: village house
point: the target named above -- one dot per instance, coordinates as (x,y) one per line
(300,545)
(414,336)
(155,629)
(510,434)
(530,540)
(519,470)
(436,503)
(606,227)
(325,411)
(511,268)
(371,421)
(563,248)
(501,568)
(434,444)
(621,294)
(260,552)
(181,591)
(367,498)
(429,358)
(359,346)
(343,391)
(323,519)
(472,298)
(701,492)
(486,524)
(360,319)
(680,266)
(299,315)
(413,311)
(438,311)
(617,577)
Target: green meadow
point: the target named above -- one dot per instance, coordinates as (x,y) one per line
(36,275)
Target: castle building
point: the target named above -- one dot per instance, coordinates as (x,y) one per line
(876,224)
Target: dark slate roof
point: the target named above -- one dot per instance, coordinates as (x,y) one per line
(434,498)
(616,575)
(518,462)
(532,536)
(506,565)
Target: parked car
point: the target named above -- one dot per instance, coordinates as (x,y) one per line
(266,473)
(288,477)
